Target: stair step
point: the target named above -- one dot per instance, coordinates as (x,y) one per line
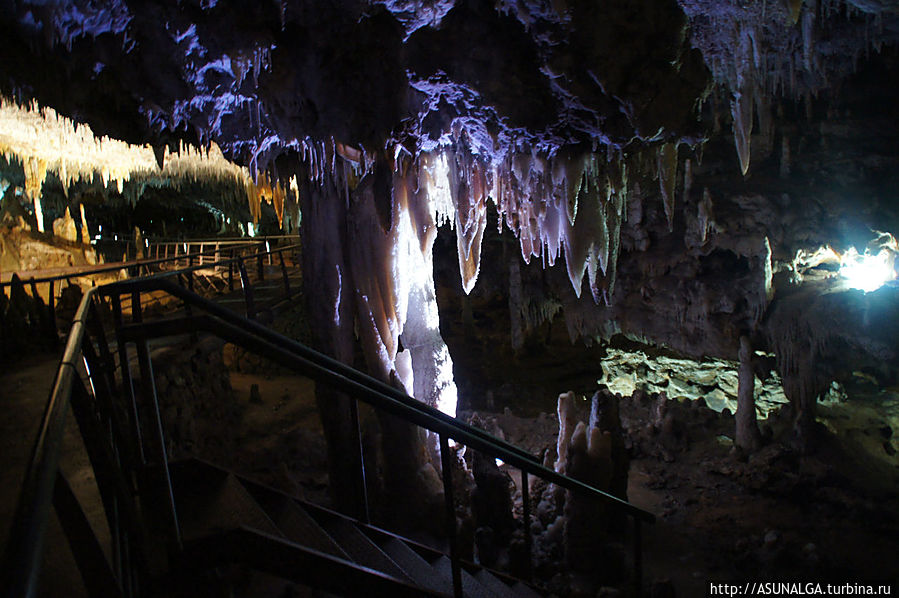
(495,584)
(524,590)
(470,586)
(358,546)
(266,585)
(292,519)
(416,566)
(210,500)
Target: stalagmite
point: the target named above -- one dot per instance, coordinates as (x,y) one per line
(85,233)
(64,228)
(595,455)
(565,409)
(747,435)
(667,173)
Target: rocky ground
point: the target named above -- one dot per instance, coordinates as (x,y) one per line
(775,515)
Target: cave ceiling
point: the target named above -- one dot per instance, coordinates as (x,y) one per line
(715,138)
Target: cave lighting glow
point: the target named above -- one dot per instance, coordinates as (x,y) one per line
(867,271)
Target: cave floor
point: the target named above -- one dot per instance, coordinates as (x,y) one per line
(774,516)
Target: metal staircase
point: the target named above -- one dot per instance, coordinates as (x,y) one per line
(229,518)
(173,525)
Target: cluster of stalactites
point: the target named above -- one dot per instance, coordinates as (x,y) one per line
(46,142)
(774,51)
(565,204)
(272,192)
(554,205)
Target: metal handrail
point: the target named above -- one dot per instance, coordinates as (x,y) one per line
(361,385)
(21,559)
(116,266)
(23,553)
(317,360)
(293,355)
(26,539)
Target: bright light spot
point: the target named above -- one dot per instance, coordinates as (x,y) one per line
(867,272)
(500,462)
(251,229)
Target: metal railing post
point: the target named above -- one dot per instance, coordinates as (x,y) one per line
(190,274)
(231,271)
(52,331)
(148,386)
(284,274)
(638,558)
(362,492)
(446,461)
(260,259)
(127,380)
(247,289)
(526,520)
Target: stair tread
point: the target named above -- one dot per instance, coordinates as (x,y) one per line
(418,568)
(522,589)
(211,500)
(360,548)
(495,584)
(296,523)
(470,586)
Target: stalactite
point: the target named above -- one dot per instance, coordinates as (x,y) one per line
(705,215)
(785,156)
(35,173)
(763,111)
(741,111)
(667,174)
(688,181)
(808,35)
(76,154)
(468,191)
(586,241)
(794,7)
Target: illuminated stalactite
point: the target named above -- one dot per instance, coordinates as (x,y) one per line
(35,173)
(46,142)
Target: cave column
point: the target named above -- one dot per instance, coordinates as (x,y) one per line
(328,289)
(393,233)
(747,430)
